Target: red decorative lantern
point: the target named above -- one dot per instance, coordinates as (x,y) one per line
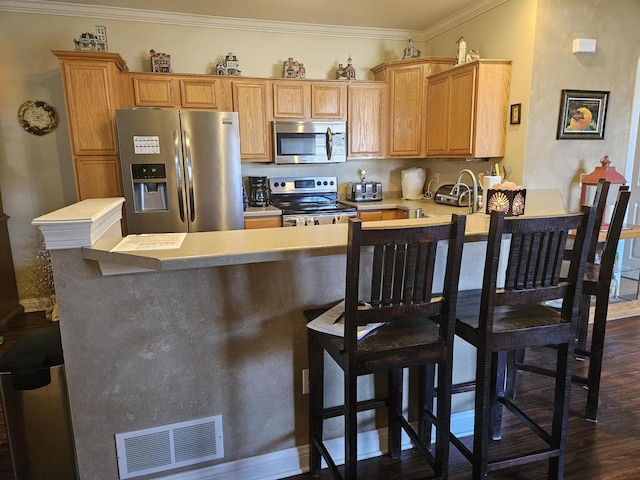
(590,184)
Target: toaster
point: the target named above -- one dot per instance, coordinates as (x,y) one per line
(366,191)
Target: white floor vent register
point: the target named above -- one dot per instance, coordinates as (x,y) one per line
(169,446)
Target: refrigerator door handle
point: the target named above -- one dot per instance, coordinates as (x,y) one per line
(179,180)
(189,172)
(329,143)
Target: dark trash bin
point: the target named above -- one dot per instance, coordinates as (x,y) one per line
(36,407)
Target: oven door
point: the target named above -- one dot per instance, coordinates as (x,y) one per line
(309,142)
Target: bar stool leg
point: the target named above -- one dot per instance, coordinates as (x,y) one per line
(595,359)
(561,409)
(425,401)
(395,411)
(350,425)
(316,404)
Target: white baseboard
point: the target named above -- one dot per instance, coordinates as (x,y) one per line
(294,461)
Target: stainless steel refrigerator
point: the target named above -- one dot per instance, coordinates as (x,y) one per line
(180,170)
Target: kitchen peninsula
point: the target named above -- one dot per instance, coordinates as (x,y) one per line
(212,328)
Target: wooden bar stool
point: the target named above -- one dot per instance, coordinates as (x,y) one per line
(597,283)
(502,319)
(393,268)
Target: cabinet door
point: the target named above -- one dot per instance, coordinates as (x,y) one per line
(290,99)
(377,215)
(208,94)
(366,114)
(263,222)
(98,177)
(462,103)
(154,90)
(328,100)
(91,97)
(405,103)
(437,115)
(251,101)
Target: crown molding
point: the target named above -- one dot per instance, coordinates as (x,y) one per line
(45,7)
(454,20)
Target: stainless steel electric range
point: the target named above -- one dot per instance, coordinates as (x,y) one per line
(308,201)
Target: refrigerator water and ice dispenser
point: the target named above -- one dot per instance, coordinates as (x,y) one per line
(149,187)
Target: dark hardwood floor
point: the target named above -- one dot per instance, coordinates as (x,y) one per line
(15,328)
(606,450)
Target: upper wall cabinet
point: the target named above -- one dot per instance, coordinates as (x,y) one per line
(93,91)
(406,83)
(328,100)
(367,114)
(252,101)
(467,110)
(92,95)
(177,91)
(303,99)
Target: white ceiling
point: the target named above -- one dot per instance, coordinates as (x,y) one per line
(413,15)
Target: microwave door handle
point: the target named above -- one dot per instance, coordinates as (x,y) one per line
(189,172)
(329,143)
(178,165)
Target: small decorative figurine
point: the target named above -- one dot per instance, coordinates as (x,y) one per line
(293,69)
(472,56)
(348,72)
(411,51)
(462,51)
(92,42)
(160,62)
(229,66)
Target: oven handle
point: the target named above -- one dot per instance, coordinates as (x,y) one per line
(329,143)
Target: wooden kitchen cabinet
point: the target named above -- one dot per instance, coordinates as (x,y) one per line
(100,176)
(176,91)
(328,100)
(154,90)
(206,93)
(406,97)
(304,100)
(252,101)
(466,112)
(291,99)
(366,111)
(272,221)
(382,214)
(94,90)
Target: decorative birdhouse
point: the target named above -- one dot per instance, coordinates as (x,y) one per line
(160,62)
(590,185)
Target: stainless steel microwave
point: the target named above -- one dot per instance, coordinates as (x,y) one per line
(309,142)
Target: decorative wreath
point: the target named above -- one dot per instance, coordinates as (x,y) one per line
(37,117)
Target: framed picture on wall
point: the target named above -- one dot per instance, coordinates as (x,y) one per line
(582,115)
(514,116)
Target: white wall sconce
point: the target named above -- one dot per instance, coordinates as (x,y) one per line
(584,45)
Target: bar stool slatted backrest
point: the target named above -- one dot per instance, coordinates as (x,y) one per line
(394,269)
(501,319)
(597,283)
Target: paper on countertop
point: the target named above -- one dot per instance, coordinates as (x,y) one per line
(326,323)
(150,241)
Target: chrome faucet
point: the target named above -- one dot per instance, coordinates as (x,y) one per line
(474,205)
